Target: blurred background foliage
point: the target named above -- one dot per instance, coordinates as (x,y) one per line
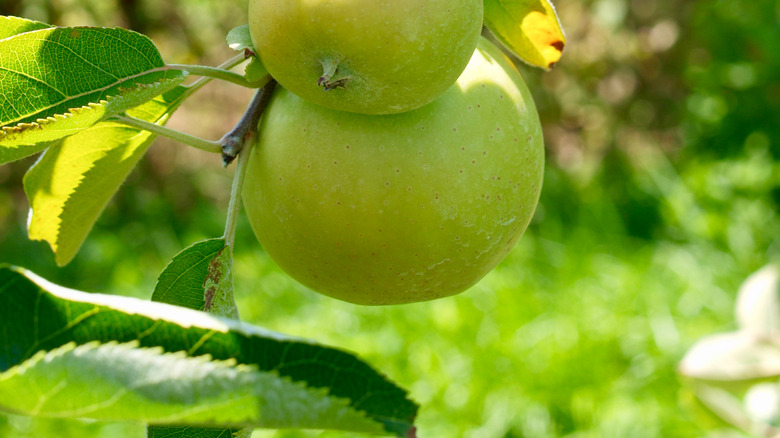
(662,194)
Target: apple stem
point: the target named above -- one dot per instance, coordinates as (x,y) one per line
(197,142)
(235,196)
(242,139)
(330,68)
(230,144)
(182,137)
(234,141)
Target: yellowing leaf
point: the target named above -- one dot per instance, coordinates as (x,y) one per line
(70,185)
(529,28)
(10,26)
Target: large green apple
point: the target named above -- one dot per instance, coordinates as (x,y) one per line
(366,56)
(404,207)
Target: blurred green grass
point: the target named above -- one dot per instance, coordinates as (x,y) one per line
(662,193)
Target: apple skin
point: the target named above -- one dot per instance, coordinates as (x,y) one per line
(388,56)
(398,208)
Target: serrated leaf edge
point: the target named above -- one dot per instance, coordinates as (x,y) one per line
(186,318)
(72,347)
(48,26)
(42,123)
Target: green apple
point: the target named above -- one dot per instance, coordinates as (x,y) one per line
(404,207)
(366,56)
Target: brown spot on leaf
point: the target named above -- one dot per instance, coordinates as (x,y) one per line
(213,278)
(215,274)
(209,297)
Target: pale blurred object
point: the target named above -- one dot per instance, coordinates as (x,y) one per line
(758,303)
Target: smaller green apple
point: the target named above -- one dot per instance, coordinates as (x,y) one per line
(366,56)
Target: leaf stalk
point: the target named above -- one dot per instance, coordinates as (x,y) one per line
(231,143)
(216,73)
(197,142)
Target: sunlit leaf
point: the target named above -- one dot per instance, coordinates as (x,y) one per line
(529,28)
(70,185)
(10,26)
(186,282)
(30,138)
(9,154)
(65,353)
(181,282)
(51,71)
(56,82)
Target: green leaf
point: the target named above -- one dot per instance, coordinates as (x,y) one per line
(255,70)
(240,39)
(10,153)
(529,28)
(65,353)
(181,282)
(218,286)
(10,26)
(57,69)
(55,82)
(186,282)
(70,185)
(194,432)
(26,139)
